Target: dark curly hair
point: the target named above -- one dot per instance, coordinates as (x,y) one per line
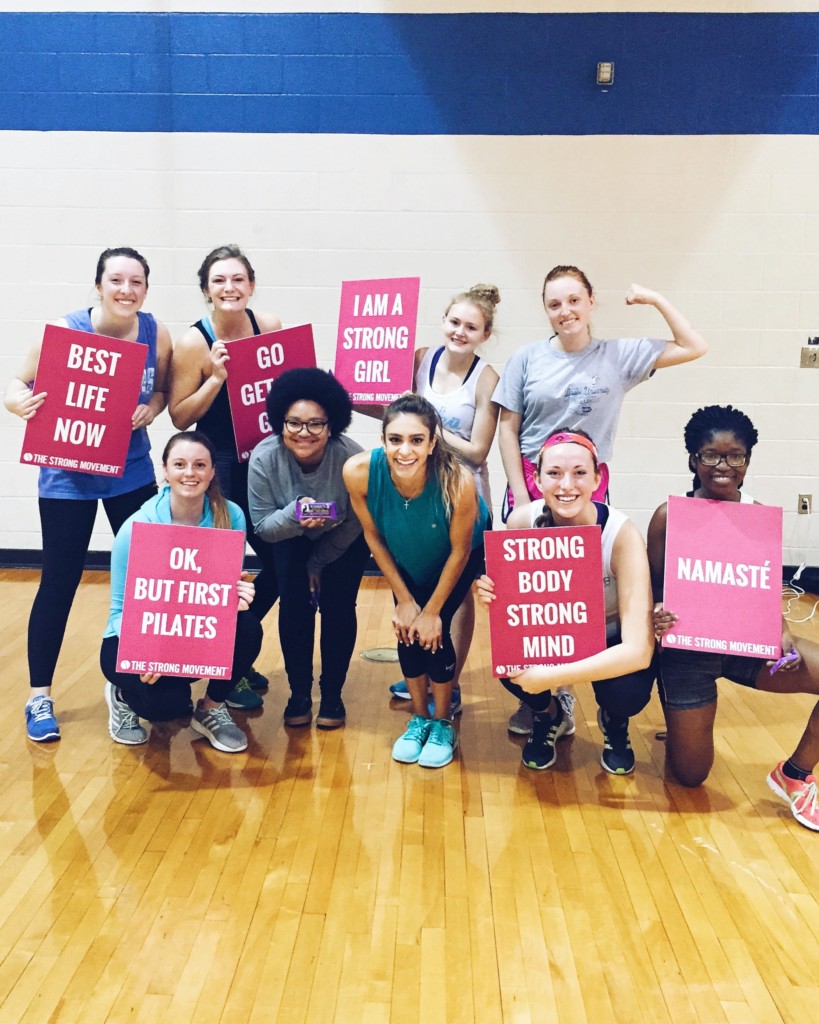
(710,420)
(309,384)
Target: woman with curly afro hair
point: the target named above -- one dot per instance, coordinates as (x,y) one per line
(319,560)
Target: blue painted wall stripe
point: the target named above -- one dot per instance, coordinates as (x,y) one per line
(514,74)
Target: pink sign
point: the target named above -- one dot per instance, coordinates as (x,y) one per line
(549,608)
(376,337)
(723,577)
(254,364)
(180,605)
(93,384)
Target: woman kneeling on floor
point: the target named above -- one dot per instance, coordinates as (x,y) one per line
(191,497)
(621,675)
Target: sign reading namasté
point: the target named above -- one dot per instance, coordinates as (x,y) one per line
(92,384)
(723,577)
(375,352)
(180,605)
(549,607)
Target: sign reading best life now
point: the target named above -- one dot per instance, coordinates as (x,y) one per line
(92,384)
(723,577)
(375,352)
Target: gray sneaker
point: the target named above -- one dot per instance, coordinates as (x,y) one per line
(217,726)
(522,721)
(566,700)
(123,724)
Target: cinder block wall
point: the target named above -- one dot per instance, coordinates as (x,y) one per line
(467,148)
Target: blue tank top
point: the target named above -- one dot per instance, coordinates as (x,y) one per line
(139,470)
(415,531)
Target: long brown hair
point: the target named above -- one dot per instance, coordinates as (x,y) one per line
(218,504)
(445,464)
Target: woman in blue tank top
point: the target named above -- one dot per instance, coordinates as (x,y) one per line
(424,524)
(67,499)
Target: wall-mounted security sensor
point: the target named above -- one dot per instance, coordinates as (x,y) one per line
(605,72)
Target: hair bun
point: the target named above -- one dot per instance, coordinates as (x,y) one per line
(488,292)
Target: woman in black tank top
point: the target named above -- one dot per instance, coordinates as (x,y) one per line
(198,398)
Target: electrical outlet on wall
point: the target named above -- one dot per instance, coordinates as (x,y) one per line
(804,504)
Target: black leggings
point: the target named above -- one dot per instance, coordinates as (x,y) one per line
(67,525)
(170,697)
(340,581)
(440,666)
(621,697)
(232,476)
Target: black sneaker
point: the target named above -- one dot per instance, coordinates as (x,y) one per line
(617,757)
(257,681)
(540,751)
(299,711)
(332,714)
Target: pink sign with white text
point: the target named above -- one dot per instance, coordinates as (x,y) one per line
(549,607)
(180,605)
(253,366)
(723,577)
(375,351)
(92,384)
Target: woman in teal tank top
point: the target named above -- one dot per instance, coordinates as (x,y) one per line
(424,523)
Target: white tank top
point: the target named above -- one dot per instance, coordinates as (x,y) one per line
(613,526)
(457,411)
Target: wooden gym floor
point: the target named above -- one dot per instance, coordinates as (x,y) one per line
(314,879)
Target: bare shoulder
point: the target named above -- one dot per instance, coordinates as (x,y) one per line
(520,518)
(191,346)
(268,322)
(356,472)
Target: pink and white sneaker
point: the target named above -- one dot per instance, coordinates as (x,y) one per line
(802,796)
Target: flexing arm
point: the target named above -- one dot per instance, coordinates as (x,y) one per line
(687,343)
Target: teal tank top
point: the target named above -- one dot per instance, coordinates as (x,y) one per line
(415,531)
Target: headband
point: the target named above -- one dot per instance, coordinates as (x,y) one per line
(568,438)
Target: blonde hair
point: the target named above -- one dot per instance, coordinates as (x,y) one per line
(485,297)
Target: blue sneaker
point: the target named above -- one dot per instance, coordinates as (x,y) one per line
(440,745)
(41,725)
(407,748)
(455,705)
(400,690)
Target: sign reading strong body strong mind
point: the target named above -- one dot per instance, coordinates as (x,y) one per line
(376,338)
(723,577)
(92,384)
(549,607)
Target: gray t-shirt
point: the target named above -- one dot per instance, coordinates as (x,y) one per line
(276,480)
(584,389)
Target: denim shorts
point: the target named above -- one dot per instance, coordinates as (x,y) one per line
(688,679)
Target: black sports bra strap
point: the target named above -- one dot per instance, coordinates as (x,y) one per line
(253,323)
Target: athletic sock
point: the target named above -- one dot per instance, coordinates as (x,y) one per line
(793,771)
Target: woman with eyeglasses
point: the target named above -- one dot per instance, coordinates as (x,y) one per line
(719,441)
(319,553)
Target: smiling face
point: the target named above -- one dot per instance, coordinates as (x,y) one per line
(464,328)
(123,287)
(189,470)
(567,479)
(408,444)
(229,286)
(720,482)
(306,447)
(568,306)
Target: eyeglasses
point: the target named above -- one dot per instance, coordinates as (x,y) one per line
(733,461)
(314,427)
